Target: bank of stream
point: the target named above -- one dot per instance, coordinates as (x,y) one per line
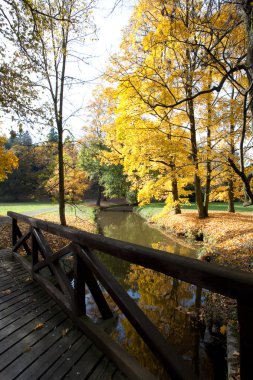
(174,306)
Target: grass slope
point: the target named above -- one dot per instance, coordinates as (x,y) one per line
(25,207)
(151,209)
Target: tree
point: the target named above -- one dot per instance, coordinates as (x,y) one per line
(109,177)
(48,34)
(172,59)
(35,167)
(8,160)
(76,181)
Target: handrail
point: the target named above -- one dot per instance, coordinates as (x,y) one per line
(219,279)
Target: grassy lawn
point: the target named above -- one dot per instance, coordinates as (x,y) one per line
(80,210)
(154,208)
(26,207)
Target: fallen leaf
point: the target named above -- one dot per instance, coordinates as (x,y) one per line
(39,326)
(65,331)
(6,292)
(27,349)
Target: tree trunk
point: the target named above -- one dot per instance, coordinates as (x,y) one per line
(99,196)
(176,209)
(61,179)
(208,147)
(231,205)
(194,154)
(248,12)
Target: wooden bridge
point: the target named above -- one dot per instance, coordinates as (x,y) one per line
(44,330)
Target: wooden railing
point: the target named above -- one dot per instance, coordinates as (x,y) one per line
(88,270)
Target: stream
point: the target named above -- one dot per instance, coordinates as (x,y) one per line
(171,304)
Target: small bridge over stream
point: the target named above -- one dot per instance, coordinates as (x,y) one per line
(44,330)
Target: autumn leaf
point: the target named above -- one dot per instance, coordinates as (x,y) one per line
(6,292)
(65,331)
(27,349)
(39,326)
(223,329)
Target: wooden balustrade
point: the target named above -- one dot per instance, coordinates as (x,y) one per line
(88,270)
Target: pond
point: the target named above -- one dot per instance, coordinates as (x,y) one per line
(172,305)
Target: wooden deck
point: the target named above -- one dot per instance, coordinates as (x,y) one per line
(37,339)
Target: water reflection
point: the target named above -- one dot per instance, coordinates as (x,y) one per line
(171,304)
(132,228)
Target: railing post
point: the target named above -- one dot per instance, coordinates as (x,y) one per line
(14,232)
(245,318)
(35,251)
(79,286)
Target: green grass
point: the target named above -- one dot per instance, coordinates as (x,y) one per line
(26,207)
(35,208)
(151,209)
(81,210)
(221,206)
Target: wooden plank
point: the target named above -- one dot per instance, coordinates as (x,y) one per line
(56,256)
(22,321)
(27,308)
(172,361)
(14,231)
(85,366)
(55,293)
(17,296)
(51,352)
(27,337)
(19,306)
(65,363)
(84,274)
(79,287)
(25,245)
(219,279)
(26,265)
(18,291)
(118,376)
(6,275)
(18,366)
(104,370)
(53,265)
(21,241)
(123,360)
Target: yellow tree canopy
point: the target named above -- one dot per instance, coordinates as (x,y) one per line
(8,160)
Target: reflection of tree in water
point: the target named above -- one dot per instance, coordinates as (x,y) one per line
(162,299)
(169,303)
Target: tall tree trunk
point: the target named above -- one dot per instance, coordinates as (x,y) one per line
(208,147)
(98,203)
(207,187)
(191,115)
(248,17)
(176,209)
(231,205)
(59,117)
(61,178)
(194,154)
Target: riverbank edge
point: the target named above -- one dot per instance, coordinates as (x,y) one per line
(177,238)
(232,337)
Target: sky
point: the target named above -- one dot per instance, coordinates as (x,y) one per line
(109,23)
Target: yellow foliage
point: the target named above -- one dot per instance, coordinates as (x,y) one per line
(8,160)
(76,181)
